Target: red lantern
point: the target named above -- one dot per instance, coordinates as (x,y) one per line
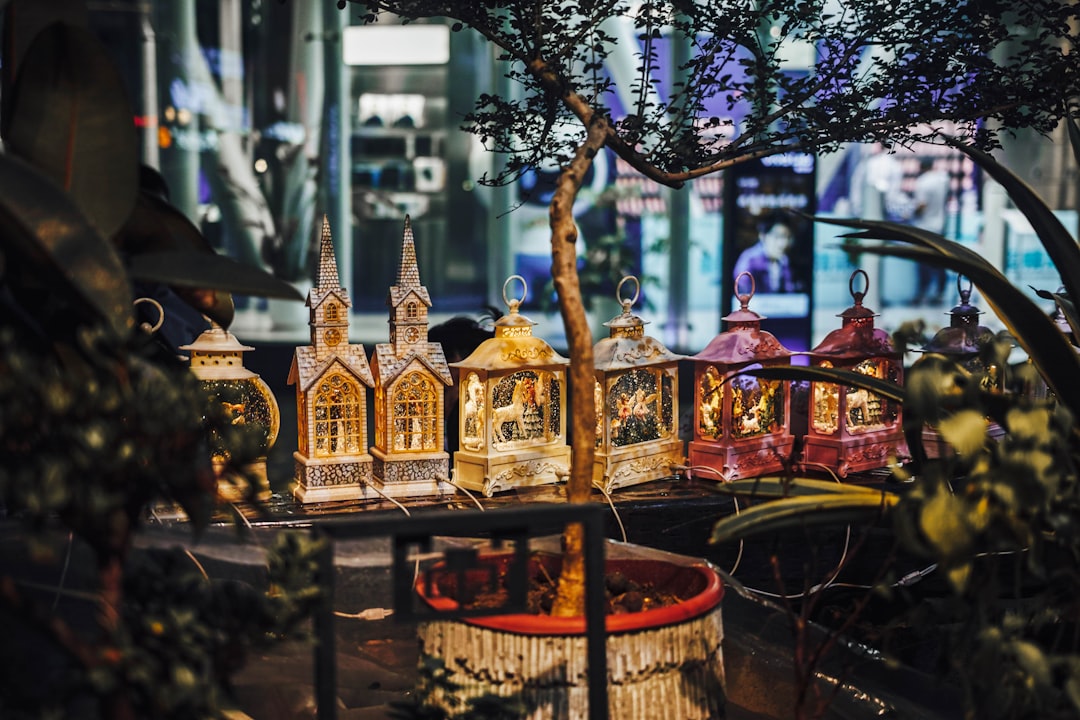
(851,429)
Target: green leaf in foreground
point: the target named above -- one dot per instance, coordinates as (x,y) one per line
(805,511)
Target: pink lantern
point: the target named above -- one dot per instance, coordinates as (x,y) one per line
(741,423)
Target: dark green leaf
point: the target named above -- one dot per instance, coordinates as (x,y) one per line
(23,20)
(156,226)
(71,119)
(884,388)
(185,268)
(39,223)
(1074,138)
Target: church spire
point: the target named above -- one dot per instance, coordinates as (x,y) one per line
(408,271)
(326,275)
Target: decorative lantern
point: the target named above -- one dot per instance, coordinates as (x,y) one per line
(332,377)
(411,375)
(637,402)
(964,341)
(741,423)
(851,429)
(217,360)
(513,408)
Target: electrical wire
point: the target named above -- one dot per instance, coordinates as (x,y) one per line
(611,504)
(400,506)
(381,613)
(472,497)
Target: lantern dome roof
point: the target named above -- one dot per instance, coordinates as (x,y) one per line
(744,341)
(514,345)
(856,337)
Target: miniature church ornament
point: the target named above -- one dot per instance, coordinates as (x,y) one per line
(332,377)
(637,391)
(513,408)
(852,429)
(741,423)
(411,375)
(217,360)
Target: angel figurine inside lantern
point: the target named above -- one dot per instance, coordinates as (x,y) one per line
(513,411)
(741,422)
(850,428)
(636,402)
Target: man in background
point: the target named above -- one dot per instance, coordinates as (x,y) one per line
(931,196)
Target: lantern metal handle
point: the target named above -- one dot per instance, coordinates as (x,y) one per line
(514,304)
(744,298)
(855,294)
(628,303)
(147,327)
(965,293)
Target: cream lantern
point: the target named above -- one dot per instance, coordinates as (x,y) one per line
(512,409)
(217,360)
(851,429)
(637,402)
(741,423)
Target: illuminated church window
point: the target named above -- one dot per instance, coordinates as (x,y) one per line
(416,412)
(338,417)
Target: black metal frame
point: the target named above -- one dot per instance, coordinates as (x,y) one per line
(517,524)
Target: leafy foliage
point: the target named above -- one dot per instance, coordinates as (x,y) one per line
(98,419)
(882,70)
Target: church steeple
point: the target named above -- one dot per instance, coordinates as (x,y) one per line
(408,271)
(329,302)
(408,300)
(326,275)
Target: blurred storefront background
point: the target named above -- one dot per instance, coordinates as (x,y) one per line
(263,116)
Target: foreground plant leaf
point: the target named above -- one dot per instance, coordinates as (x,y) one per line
(820,510)
(71,119)
(181,268)
(775,486)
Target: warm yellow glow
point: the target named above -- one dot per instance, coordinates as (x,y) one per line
(338,417)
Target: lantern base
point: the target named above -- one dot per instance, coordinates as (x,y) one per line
(636,464)
(331,479)
(240,486)
(489,475)
(413,475)
(937,447)
(853,453)
(743,458)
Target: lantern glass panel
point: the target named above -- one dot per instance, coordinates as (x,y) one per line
(757,406)
(711,404)
(867,411)
(525,409)
(337,417)
(826,404)
(415,414)
(638,408)
(472,434)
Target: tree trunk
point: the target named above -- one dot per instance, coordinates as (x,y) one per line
(570,599)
